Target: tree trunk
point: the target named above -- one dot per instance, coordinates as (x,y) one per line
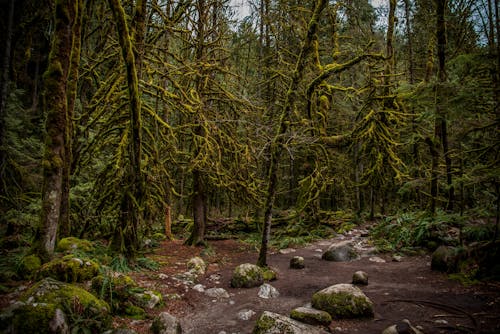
(64,219)
(197,236)
(4,84)
(277,142)
(55,107)
(127,233)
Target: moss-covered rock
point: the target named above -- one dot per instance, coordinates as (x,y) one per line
(73,301)
(147,299)
(116,288)
(134,312)
(165,323)
(269,274)
(340,252)
(159,236)
(247,275)
(343,301)
(446,259)
(272,323)
(311,316)
(34,318)
(70,269)
(28,266)
(71,243)
(197,265)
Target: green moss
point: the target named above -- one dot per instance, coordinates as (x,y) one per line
(33,318)
(246,276)
(135,312)
(28,266)
(269,274)
(71,243)
(78,304)
(117,289)
(311,316)
(263,324)
(159,237)
(70,269)
(343,302)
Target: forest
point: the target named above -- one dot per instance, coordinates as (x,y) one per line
(269,121)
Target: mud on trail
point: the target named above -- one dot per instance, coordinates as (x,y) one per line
(399,290)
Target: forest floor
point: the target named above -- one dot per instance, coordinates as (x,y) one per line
(404,289)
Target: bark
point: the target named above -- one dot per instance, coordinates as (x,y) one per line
(197,236)
(411,65)
(55,108)
(64,219)
(276,146)
(126,238)
(4,83)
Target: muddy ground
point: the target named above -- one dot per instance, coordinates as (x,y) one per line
(399,290)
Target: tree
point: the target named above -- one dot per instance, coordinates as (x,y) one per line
(125,239)
(55,106)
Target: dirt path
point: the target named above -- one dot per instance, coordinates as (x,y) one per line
(399,290)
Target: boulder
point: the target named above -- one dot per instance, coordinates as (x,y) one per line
(115,287)
(71,244)
(246,314)
(147,299)
(165,323)
(311,316)
(217,293)
(50,306)
(197,266)
(445,259)
(247,275)
(297,262)
(360,278)
(402,327)
(268,291)
(273,323)
(28,266)
(343,301)
(340,252)
(70,269)
(34,318)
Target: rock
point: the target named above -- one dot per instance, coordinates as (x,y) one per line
(268,291)
(273,323)
(445,259)
(199,288)
(269,274)
(403,327)
(340,252)
(360,278)
(217,293)
(116,288)
(311,316)
(69,269)
(343,301)
(247,275)
(287,251)
(134,312)
(197,266)
(246,314)
(397,258)
(376,259)
(71,244)
(148,299)
(28,266)
(165,323)
(45,308)
(297,262)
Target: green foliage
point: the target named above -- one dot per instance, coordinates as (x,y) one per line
(415,229)
(147,263)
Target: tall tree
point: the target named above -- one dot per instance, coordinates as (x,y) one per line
(125,239)
(55,106)
(276,145)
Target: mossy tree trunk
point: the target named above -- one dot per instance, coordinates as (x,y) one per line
(125,239)
(278,140)
(4,86)
(55,107)
(64,219)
